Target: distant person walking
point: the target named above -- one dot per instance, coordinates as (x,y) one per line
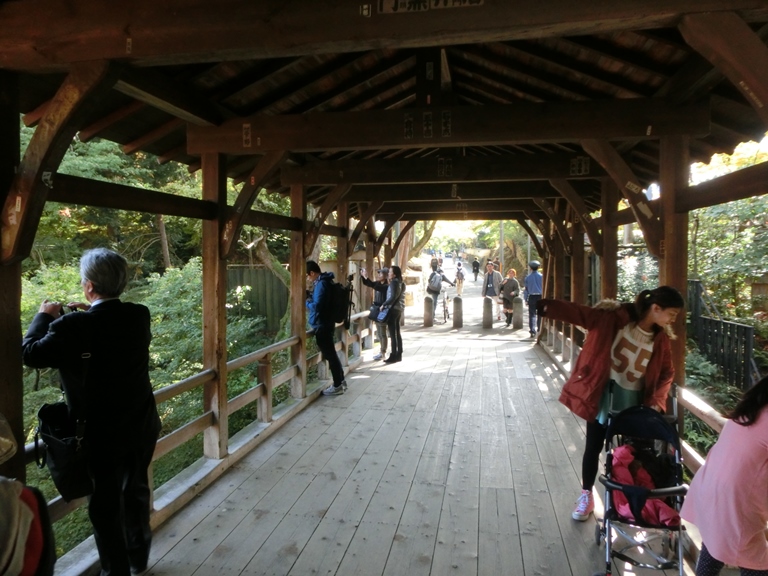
(492,286)
(380,287)
(534,283)
(476,268)
(459,278)
(435,285)
(727,499)
(395,302)
(319,305)
(510,289)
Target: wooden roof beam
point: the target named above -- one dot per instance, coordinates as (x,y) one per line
(456,216)
(728,42)
(153,136)
(522,122)
(451,192)
(459,206)
(442,168)
(176,99)
(169,32)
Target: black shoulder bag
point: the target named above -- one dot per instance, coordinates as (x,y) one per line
(65,451)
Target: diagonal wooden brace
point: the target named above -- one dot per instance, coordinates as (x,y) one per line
(330,203)
(557,220)
(573,198)
(24,204)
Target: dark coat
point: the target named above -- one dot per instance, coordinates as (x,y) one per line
(379,290)
(120,406)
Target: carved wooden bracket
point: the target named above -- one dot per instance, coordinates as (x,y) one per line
(557,220)
(264,169)
(532,236)
(548,240)
(328,206)
(580,209)
(373,207)
(630,187)
(26,198)
(387,227)
(410,224)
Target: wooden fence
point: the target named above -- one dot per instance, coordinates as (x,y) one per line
(729,345)
(268,296)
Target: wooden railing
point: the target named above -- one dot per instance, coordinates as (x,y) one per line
(180,490)
(556,339)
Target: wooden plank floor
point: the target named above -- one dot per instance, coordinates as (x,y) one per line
(458,460)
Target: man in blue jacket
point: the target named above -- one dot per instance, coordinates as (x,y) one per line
(320,308)
(532,294)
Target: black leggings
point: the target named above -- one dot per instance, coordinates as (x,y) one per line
(393,324)
(592,449)
(708,566)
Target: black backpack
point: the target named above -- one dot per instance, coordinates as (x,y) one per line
(341,303)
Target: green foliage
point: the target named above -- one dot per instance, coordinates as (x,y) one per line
(638,270)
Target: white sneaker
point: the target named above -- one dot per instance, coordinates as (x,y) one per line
(379,356)
(334,390)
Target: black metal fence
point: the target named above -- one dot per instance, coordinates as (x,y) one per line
(726,344)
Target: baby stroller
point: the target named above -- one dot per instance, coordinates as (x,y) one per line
(643,491)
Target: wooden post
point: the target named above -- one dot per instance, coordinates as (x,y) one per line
(11,376)
(609,271)
(578,281)
(370,266)
(298,299)
(214,309)
(558,259)
(265,377)
(673,270)
(342,259)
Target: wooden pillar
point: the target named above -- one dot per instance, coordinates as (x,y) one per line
(298,296)
(214,309)
(673,270)
(371,267)
(609,271)
(342,259)
(11,378)
(558,259)
(578,280)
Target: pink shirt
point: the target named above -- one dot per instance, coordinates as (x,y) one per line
(728,498)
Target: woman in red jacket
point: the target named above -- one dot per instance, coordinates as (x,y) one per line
(627,352)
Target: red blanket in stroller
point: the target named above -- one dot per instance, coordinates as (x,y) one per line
(626,470)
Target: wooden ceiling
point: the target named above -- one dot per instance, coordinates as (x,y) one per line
(437,108)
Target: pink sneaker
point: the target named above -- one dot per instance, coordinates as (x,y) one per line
(584,506)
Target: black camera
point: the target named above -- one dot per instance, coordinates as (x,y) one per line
(350,277)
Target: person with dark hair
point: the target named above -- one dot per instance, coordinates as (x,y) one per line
(434,283)
(395,302)
(626,361)
(379,295)
(475,267)
(492,286)
(532,293)
(320,306)
(510,289)
(103,357)
(727,498)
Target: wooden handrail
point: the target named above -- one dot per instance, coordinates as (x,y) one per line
(257,355)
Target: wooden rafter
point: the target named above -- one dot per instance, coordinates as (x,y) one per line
(453,216)
(521,122)
(363,221)
(234,222)
(24,204)
(328,206)
(630,187)
(557,221)
(583,213)
(728,42)
(95,128)
(153,136)
(462,206)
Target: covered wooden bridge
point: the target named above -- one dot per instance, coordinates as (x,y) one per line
(556,115)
